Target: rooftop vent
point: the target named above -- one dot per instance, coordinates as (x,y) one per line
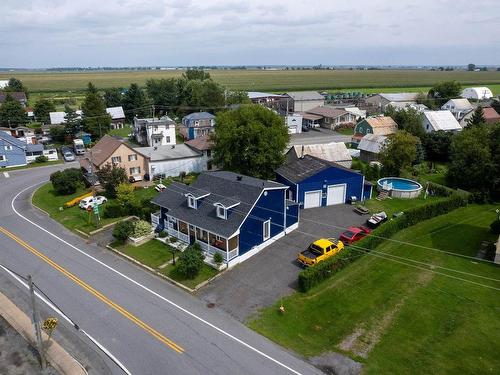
(239,178)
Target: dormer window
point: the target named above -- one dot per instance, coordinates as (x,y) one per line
(221,212)
(192,202)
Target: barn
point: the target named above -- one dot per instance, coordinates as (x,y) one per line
(316,182)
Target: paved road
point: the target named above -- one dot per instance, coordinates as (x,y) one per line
(151,326)
(318,136)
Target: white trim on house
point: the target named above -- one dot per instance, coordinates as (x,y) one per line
(266,227)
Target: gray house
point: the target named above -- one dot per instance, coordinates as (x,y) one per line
(370,147)
(301,101)
(12,151)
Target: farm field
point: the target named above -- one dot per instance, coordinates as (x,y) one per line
(269,80)
(400,316)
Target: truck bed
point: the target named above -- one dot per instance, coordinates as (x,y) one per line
(309,254)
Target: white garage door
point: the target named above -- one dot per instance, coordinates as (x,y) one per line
(335,194)
(312,199)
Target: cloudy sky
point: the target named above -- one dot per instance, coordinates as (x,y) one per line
(55,33)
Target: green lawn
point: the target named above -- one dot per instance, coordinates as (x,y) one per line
(346,131)
(33,165)
(153,253)
(438,175)
(398,319)
(74,217)
(393,205)
(206,273)
(123,132)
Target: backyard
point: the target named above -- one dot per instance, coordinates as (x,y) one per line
(74,218)
(425,312)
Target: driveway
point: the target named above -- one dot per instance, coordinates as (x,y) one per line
(318,136)
(261,280)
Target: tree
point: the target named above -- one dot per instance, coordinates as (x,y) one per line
(141,228)
(477,117)
(437,145)
(95,119)
(471,67)
(443,91)
(190,261)
(57,133)
(113,97)
(196,74)
(72,121)
(250,140)
(126,197)
(16,85)
(110,177)
(495,104)
(67,181)
(12,113)
(42,108)
(237,97)
(163,92)
(123,230)
(408,119)
(135,102)
(472,164)
(399,152)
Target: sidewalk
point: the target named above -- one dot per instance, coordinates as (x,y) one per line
(56,355)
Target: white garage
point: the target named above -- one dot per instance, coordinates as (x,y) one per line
(312,199)
(335,194)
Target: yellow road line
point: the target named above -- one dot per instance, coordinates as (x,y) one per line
(94,292)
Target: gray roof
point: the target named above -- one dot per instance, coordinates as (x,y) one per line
(305,95)
(372,143)
(168,152)
(442,120)
(302,168)
(400,96)
(12,140)
(258,95)
(199,116)
(34,148)
(191,190)
(224,187)
(334,152)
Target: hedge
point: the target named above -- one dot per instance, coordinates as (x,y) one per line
(314,275)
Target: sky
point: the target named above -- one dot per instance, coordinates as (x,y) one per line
(59,33)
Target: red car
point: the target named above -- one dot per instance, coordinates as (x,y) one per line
(353,234)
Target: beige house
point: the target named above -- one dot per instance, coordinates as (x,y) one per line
(115,152)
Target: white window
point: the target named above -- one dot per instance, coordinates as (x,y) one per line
(2,158)
(116,159)
(191,201)
(168,139)
(266,229)
(221,212)
(135,170)
(8,148)
(132,157)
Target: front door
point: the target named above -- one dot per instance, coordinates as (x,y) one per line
(192,234)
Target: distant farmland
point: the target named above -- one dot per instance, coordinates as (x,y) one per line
(260,80)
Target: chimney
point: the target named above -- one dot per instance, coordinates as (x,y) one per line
(302,154)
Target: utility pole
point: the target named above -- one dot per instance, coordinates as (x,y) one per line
(36,323)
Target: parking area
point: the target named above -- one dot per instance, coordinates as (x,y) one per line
(263,279)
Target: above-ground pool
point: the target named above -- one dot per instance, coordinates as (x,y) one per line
(399,187)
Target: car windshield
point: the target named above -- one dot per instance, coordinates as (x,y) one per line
(315,249)
(348,234)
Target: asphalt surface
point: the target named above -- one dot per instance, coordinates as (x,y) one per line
(150,326)
(261,280)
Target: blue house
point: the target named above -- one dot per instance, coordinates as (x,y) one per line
(197,124)
(315,182)
(12,151)
(234,215)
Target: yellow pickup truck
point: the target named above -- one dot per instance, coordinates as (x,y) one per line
(320,250)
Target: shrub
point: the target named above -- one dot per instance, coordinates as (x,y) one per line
(67,182)
(190,261)
(113,209)
(173,239)
(162,234)
(495,226)
(141,228)
(122,230)
(218,259)
(322,271)
(41,159)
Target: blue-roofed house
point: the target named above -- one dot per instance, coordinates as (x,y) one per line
(197,124)
(12,151)
(234,215)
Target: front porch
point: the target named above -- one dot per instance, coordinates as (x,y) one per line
(209,242)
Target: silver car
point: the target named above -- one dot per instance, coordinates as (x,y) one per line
(68,156)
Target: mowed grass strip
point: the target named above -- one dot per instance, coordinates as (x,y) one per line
(264,80)
(399,319)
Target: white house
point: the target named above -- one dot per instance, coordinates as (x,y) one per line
(35,150)
(117,117)
(359,113)
(171,160)
(476,93)
(294,123)
(155,132)
(399,106)
(4,83)
(440,120)
(459,107)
